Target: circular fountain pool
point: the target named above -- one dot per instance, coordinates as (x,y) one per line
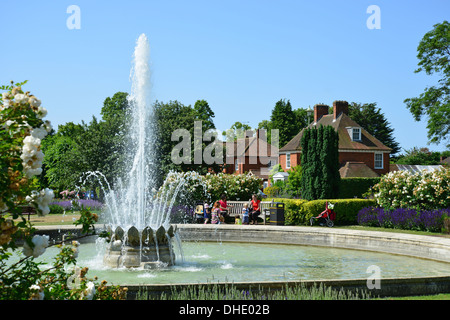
(248,262)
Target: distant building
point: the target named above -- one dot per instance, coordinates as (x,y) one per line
(251,154)
(360,153)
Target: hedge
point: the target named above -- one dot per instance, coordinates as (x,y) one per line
(299,212)
(356,187)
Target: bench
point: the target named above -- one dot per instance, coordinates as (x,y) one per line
(237,206)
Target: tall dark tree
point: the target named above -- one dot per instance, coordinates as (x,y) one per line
(433,53)
(283,119)
(320,163)
(373,120)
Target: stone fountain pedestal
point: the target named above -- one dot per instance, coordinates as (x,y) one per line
(133,249)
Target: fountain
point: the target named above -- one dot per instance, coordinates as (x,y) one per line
(138,216)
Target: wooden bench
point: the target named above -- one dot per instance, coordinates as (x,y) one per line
(237,206)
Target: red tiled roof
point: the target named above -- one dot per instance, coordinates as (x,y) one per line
(353,169)
(367,143)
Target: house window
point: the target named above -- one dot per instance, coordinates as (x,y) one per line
(236,165)
(356,134)
(288,160)
(378,161)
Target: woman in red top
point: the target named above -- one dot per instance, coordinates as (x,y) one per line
(256,210)
(224,206)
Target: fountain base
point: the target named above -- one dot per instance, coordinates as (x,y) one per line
(147,249)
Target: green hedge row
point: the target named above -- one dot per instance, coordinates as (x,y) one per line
(299,212)
(355,187)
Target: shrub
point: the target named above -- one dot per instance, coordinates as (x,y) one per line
(293,210)
(56,209)
(272,191)
(402,189)
(346,209)
(355,187)
(299,212)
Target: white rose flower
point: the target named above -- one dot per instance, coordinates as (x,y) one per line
(21,98)
(42,112)
(37,292)
(89,292)
(34,102)
(40,243)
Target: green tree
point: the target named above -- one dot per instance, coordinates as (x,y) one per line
(421,156)
(434,102)
(294,180)
(95,146)
(237,131)
(283,119)
(62,165)
(174,115)
(373,120)
(320,163)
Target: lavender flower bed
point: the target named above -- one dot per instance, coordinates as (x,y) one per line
(78,203)
(403,218)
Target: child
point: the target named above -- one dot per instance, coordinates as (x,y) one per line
(245,213)
(207,213)
(215,214)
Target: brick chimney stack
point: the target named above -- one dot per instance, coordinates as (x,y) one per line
(339,107)
(320,110)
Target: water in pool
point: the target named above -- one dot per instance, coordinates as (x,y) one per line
(236,262)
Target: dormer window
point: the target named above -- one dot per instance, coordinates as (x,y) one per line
(354,133)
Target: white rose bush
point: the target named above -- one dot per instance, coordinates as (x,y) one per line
(191,188)
(22,129)
(421,190)
(414,201)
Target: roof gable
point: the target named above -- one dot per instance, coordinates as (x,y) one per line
(340,124)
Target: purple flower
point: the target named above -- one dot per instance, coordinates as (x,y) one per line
(403,218)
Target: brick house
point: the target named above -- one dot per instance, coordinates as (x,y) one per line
(251,154)
(360,153)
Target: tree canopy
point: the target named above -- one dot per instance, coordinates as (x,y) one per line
(373,120)
(433,53)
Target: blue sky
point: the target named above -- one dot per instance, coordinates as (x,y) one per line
(240,56)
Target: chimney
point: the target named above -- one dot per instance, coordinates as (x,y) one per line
(320,110)
(339,106)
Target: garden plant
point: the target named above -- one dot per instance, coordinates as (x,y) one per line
(22,129)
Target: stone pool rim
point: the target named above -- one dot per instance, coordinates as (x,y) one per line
(419,246)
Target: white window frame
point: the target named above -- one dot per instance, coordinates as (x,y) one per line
(379,161)
(358,132)
(288,160)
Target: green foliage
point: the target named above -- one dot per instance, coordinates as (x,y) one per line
(294,212)
(402,189)
(320,163)
(421,156)
(371,118)
(282,118)
(210,187)
(56,209)
(299,212)
(294,180)
(355,187)
(433,53)
(21,132)
(174,115)
(230,292)
(237,131)
(272,191)
(299,117)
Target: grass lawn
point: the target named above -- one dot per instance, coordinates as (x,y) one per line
(54,219)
